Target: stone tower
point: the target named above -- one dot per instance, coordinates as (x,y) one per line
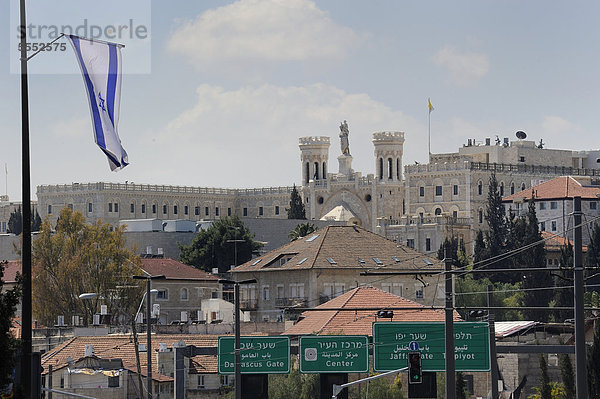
(388,156)
(314,154)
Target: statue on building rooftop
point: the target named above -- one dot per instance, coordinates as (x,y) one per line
(344,132)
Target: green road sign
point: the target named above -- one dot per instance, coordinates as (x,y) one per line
(334,354)
(392,341)
(259,355)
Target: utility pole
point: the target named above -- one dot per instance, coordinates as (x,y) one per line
(450,362)
(493,362)
(580,349)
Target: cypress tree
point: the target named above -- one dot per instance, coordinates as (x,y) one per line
(296,209)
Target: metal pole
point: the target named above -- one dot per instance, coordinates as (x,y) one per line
(238,358)
(450,362)
(580,349)
(149,337)
(49,381)
(493,362)
(26,313)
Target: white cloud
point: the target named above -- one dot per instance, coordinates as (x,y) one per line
(249,137)
(73,127)
(555,125)
(465,68)
(262,30)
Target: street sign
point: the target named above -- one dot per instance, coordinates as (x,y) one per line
(392,341)
(334,354)
(413,346)
(259,355)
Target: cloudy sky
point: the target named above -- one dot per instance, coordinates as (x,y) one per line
(220,91)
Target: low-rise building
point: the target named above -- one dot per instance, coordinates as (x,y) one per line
(554,204)
(328,263)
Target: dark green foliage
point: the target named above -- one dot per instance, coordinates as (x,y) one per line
(461,387)
(545,388)
(8,344)
(455,249)
(15,221)
(302,230)
(496,220)
(534,257)
(210,249)
(471,292)
(479,250)
(592,259)
(593,362)
(296,209)
(293,385)
(564,296)
(567,375)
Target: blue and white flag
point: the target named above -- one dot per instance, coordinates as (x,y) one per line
(100,64)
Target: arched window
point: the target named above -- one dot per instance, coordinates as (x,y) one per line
(502,189)
(316,171)
(438,211)
(184,294)
(522,186)
(480,187)
(390,169)
(380,168)
(307,173)
(512,188)
(324,170)
(480,216)
(398,168)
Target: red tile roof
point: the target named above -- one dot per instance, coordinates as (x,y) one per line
(175,270)
(346,246)
(10,271)
(557,188)
(122,347)
(359,322)
(554,242)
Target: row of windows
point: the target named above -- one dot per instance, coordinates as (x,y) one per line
(438,190)
(114,208)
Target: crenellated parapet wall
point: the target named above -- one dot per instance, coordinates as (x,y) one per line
(388,138)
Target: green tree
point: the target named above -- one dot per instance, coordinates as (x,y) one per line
(454,248)
(302,230)
(567,375)
(592,259)
(214,247)
(15,221)
(534,257)
(9,300)
(296,209)
(293,385)
(593,360)
(461,387)
(545,390)
(79,258)
(563,296)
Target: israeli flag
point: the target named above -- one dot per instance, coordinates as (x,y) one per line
(100,64)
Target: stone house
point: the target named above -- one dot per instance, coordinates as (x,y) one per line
(328,263)
(105,367)
(181,293)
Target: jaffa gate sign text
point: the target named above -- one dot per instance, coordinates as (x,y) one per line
(392,341)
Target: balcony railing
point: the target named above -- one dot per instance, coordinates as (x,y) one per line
(290,302)
(249,304)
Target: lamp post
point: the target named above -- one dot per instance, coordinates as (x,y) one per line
(148,279)
(238,360)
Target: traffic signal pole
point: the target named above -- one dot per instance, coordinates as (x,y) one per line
(338,388)
(580,349)
(450,362)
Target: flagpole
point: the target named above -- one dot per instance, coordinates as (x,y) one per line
(26,198)
(429,131)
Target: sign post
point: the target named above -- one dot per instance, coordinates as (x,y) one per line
(259,355)
(334,354)
(393,341)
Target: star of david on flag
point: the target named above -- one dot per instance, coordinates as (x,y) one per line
(100,64)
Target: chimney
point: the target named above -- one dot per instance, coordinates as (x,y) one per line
(89,350)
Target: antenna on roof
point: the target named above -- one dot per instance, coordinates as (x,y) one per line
(521,135)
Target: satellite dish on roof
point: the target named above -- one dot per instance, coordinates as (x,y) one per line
(521,135)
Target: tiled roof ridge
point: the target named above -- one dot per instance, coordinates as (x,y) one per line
(325,232)
(59,349)
(335,312)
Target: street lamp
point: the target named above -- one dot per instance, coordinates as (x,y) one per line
(148,279)
(238,360)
